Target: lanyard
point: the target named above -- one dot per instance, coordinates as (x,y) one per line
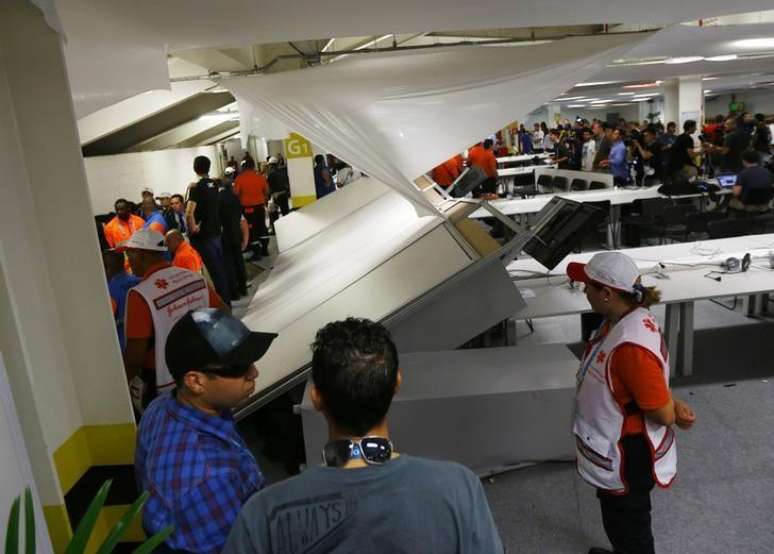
(589,360)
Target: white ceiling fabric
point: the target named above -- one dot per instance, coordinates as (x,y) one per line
(396,115)
(188,24)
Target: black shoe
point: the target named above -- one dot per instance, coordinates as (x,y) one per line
(598,550)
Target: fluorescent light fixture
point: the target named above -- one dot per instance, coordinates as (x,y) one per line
(648,95)
(575,106)
(622,104)
(707,91)
(600,102)
(685,59)
(626,93)
(754,43)
(724,58)
(710,78)
(569,98)
(597,83)
(328,45)
(372,42)
(644,85)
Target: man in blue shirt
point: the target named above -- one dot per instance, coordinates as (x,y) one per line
(189,455)
(119,283)
(367,497)
(617,162)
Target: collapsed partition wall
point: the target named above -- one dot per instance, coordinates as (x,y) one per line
(389,247)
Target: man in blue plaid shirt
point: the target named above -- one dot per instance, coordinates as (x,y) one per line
(189,456)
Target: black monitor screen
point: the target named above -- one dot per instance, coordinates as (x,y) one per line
(560,227)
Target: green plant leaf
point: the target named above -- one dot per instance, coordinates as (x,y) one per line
(12,531)
(150,545)
(122,524)
(29,522)
(86,526)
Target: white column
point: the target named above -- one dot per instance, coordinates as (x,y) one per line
(298,153)
(57,333)
(671,110)
(690,100)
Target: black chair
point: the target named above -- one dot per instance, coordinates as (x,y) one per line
(545,183)
(726,228)
(560,183)
(674,222)
(578,184)
(596,185)
(645,220)
(696,223)
(600,232)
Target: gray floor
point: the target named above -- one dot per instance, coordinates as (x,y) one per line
(723,499)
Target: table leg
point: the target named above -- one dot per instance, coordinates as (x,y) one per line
(671,334)
(510,332)
(686,339)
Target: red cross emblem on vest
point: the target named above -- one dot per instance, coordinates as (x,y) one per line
(601,357)
(161,283)
(650,325)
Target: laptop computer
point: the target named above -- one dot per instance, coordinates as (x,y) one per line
(727,181)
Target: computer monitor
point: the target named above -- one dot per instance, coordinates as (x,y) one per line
(727,180)
(560,227)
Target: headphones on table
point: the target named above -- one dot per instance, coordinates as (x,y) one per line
(735,265)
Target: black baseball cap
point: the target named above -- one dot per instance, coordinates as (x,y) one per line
(207,339)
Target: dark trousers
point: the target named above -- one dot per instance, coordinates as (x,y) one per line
(627,517)
(256,221)
(488,186)
(235,268)
(211,251)
(283,202)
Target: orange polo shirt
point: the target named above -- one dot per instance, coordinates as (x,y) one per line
(636,376)
(117,230)
(138,321)
(447,172)
(187,257)
(483,158)
(252,188)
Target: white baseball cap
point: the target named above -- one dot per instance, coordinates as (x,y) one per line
(272,160)
(147,189)
(164,195)
(613,269)
(144,239)
(229,170)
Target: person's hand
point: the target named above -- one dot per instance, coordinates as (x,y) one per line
(604,163)
(195,229)
(685,417)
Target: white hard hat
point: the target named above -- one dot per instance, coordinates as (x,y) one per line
(272,160)
(144,239)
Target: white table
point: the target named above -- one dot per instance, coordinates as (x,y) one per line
(522,158)
(552,295)
(511,171)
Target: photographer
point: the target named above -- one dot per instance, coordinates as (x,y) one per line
(649,153)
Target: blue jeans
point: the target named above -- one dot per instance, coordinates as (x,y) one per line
(211,251)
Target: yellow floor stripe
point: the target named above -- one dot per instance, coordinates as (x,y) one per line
(301,201)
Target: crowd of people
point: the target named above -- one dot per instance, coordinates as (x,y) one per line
(635,153)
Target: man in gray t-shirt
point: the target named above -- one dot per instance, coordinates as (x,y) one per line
(360,501)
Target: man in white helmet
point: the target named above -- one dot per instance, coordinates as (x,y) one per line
(165,294)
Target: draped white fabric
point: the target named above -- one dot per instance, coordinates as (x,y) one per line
(396,115)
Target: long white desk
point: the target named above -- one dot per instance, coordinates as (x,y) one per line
(511,171)
(522,158)
(682,282)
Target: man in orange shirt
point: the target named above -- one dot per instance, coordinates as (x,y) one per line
(123,225)
(446,173)
(252,188)
(165,294)
(183,254)
(481,156)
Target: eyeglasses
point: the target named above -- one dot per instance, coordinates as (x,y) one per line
(228,371)
(372,450)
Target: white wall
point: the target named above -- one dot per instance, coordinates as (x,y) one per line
(630,113)
(754,102)
(125,175)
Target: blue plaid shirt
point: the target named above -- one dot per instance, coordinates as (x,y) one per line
(198,471)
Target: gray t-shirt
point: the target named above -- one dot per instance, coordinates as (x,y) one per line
(408,505)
